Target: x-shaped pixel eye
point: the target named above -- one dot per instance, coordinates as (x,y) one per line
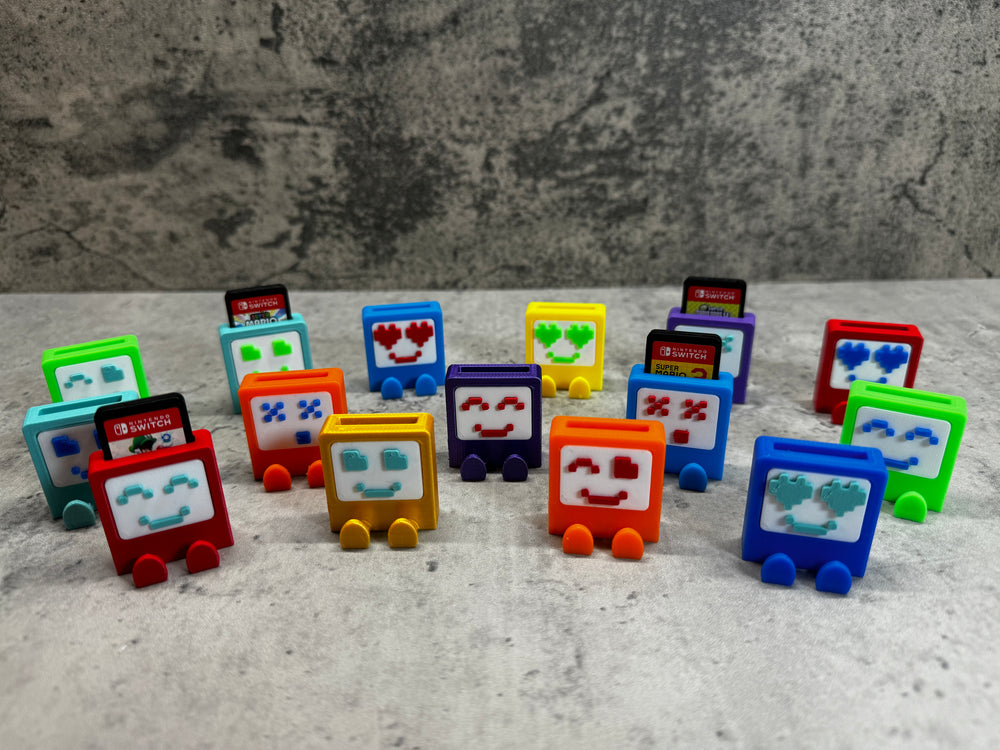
(658,406)
(579,336)
(695,410)
(476,401)
(624,468)
(419,333)
(584,463)
(387,335)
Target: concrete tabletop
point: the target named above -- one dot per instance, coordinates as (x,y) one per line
(486,634)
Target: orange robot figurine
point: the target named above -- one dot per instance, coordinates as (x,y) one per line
(283,413)
(606,481)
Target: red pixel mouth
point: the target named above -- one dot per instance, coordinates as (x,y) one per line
(495,433)
(405,360)
(604,499)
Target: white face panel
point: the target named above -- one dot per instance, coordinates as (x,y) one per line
(874,361)
(275,352)
(821,506)
(67,453)
(96,378)
(146,502)
(690,419)
(493,413)
(614,478)
(565,342)
(291,420)
(731,357)
(909,444)
(377,470)
(405,342)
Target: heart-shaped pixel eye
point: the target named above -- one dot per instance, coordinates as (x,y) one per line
(547,333)
(853,355)
(387,335)
(579,336)
(891,358)
(420,332)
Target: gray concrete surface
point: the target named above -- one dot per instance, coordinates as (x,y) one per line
(487,635)
(515,143)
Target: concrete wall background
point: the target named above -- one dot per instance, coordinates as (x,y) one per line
(374,144)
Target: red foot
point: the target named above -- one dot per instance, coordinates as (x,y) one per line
(314,476)
(838,413)
(277,478)
(201,556)
(148,569)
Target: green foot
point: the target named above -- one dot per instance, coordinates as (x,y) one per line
(911,506)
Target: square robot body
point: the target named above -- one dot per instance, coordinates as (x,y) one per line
(404,346)
(266,347)
(567,340)
(283,413)
(695,417)
(737,342)
(162,506)
(494,419)
(60,438)
(606,482)
(95,368)
(812,506)
(918,433)
(886,353)
(380,472)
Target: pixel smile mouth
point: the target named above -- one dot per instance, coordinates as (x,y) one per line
(404,360)
(604,499)
(494,433)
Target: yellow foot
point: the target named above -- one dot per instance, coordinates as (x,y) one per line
(402,534)
(579,388)
(355,534)
(548,386)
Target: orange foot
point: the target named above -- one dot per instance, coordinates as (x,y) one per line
(627,544)
(277,478)
(577,540)
(314,476)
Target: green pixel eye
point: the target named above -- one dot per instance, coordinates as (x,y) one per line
(579,336)
(548,334)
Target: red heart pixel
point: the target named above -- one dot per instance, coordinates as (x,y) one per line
(420,332)
(387,336)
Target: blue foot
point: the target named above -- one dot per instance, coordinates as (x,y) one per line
(473,469)
(392,388)
(515,469)
(78,514)
(426,385)
(693,477)
(778,568)
(834,577)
